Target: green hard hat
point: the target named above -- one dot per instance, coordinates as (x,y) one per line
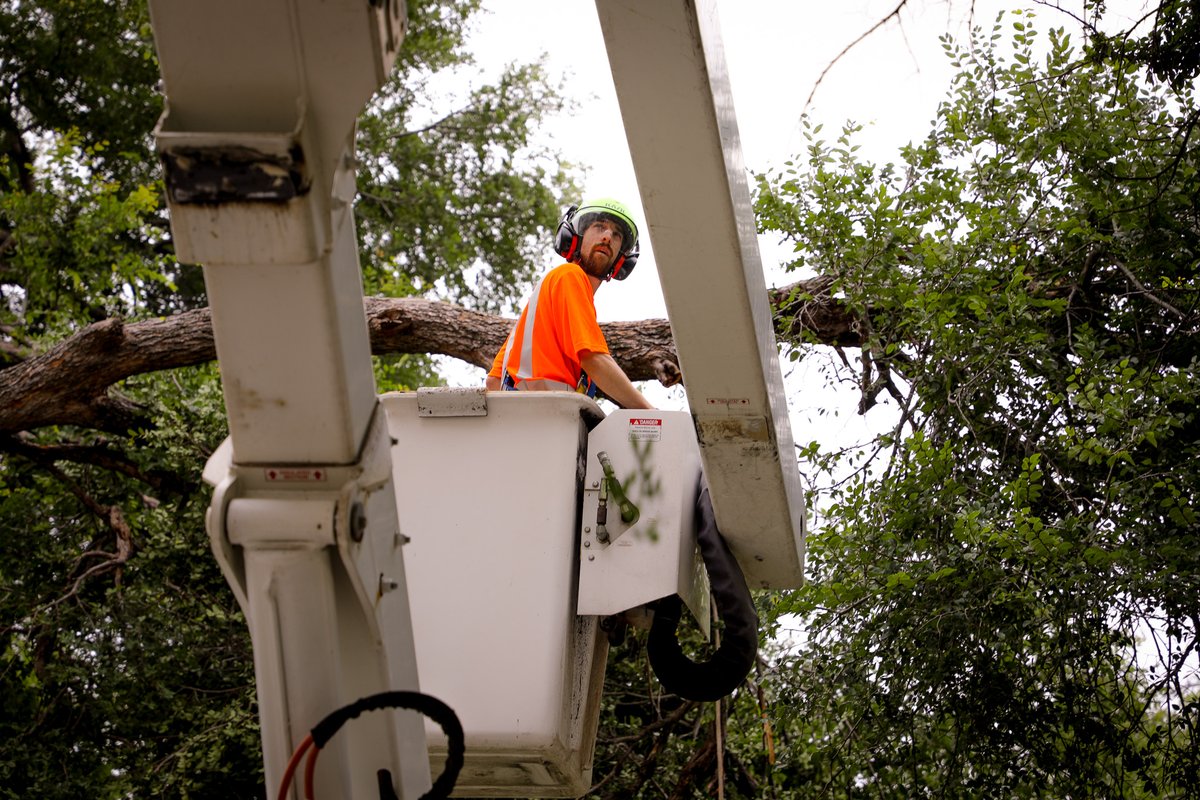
(607,208)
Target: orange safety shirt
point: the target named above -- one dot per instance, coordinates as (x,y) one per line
(563,328)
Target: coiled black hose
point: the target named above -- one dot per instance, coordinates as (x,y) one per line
(722,673)
(431,707)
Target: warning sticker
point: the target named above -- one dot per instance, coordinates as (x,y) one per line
(645,429)
(294,474)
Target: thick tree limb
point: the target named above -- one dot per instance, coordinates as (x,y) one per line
(70,383)
(806,313)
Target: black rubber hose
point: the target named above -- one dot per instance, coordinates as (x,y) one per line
(424,704)
(731,663)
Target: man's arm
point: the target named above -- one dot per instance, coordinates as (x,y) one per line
(611,379)
(492,384)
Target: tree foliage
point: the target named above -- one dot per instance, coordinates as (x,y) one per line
(1170,49)
(1004,601)
(124,667)
(459,199)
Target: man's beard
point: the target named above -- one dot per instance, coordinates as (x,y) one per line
(598,264)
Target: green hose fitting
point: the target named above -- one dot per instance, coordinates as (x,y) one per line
(629,512)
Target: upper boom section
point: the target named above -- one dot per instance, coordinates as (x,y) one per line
(673,88)
(257,142)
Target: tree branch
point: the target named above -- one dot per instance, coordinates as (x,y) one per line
(1149,295)
(98,454)
(110,515)
(895,14)
(70,384)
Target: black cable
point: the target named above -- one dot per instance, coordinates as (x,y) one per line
(431,707)
(723,672)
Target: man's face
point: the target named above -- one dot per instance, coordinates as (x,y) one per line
(602,241)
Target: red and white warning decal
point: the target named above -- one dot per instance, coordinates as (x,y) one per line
(645,429)
(295,474)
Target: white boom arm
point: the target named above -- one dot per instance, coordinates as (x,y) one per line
(257,146)
(673,88)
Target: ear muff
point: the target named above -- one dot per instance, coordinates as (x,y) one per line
(566,240)
(625,264)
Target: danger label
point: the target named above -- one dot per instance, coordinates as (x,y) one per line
(294,474)
(645,429)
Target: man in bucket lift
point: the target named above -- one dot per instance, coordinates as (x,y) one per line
(564,349)
(557,343)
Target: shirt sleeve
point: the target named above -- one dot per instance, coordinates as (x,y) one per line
(494,372)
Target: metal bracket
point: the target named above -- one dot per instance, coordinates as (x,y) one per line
(232,173)
(449,401)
